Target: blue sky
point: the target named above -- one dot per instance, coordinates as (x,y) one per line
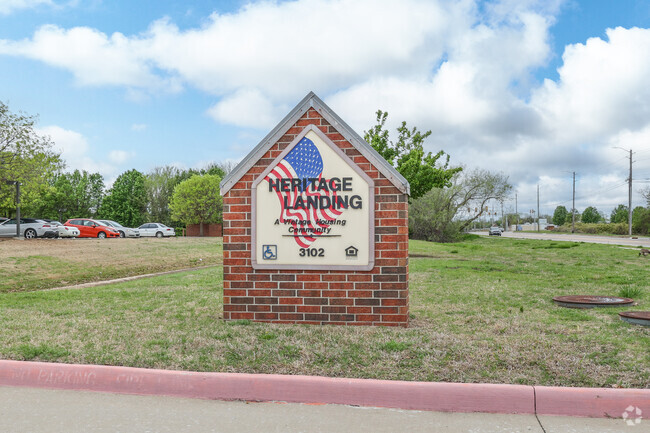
(536,89)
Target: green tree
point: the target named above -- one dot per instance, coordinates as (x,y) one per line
(560,215)
(126,201)
(620,214)
(25,157)
(160,184)
(641,220)
(591,215)
(72,195)
(198,200)
(433,217)
(407,155)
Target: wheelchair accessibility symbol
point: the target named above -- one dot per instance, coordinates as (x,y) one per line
(269,252)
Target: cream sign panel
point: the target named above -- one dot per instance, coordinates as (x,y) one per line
(314,209)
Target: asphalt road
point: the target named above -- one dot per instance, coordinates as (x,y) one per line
(44,410)
(568,237)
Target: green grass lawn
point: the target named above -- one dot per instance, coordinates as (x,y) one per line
(481,312)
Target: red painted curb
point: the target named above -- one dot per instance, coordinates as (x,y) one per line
(430,396)
(442,397)
(590,402)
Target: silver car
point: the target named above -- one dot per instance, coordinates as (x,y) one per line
(156,229)
(29,227)
(125,232)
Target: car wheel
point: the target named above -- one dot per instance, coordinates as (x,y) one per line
(101,235)
(159,234)
(121,234)
(30,234)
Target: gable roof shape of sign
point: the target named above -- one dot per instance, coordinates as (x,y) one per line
(313,101)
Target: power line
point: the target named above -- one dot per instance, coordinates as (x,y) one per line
(588,194)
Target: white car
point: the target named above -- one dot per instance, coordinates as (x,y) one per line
(125,232)
(29,227)
(495,231)
(63,231)
(156,229)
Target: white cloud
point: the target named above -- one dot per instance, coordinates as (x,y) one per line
(460,68)
(93,57)
(285,48)
(247,108)
(120,156)
(139,126)
(9,6)
(281,49)
(74,150)
(603,87)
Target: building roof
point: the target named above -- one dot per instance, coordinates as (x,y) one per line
(313,101)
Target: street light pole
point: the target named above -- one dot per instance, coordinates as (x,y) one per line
(573,209)
(538,207)
(15,182)
(629,206)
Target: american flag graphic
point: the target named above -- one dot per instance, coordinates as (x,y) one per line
(304,161)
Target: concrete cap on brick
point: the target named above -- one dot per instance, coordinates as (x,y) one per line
(313,101)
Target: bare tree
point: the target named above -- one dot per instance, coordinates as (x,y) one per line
(434,217)
(645,192)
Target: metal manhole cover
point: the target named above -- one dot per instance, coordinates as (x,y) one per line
(582,301)
(636,317)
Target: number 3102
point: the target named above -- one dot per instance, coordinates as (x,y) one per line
(312,252)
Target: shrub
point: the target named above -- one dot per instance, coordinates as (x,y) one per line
(618,228)
(615,229)
(431,218)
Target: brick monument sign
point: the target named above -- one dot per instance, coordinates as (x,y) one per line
(315,227)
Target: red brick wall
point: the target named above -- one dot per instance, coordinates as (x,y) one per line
(214,230)
(375,297)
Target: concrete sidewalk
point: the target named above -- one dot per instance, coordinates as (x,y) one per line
(46,410)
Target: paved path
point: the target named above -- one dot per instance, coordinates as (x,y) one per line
(45,410)
(568,237)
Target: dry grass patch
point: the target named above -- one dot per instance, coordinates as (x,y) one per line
(37,264)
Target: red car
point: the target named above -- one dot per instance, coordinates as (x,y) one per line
(92,229)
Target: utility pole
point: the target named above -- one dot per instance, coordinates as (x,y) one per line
(629,200)
(503,220)
(516,211)
(538,207)
(573,208)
